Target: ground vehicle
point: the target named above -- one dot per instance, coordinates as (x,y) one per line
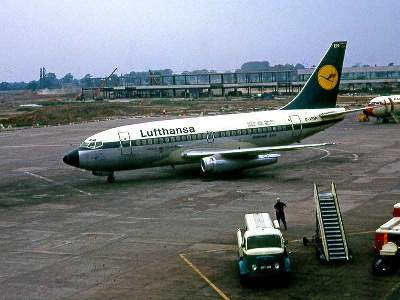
(387,240)
(261,248)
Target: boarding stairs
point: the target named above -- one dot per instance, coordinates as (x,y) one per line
(330,238)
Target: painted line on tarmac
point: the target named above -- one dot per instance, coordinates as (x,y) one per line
(327,153)
(57,183)
(212,285)
(296,241)
(349,233)
(43,252)
(29,146)
(361,232)
(355,156)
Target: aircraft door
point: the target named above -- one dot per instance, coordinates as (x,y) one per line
(297,126)
(125,143)
(210,137)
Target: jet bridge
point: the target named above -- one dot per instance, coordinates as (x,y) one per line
(329,238)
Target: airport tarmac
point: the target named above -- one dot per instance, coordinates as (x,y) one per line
(170,234)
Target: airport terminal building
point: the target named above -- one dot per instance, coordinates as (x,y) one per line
(376,79)
(385,78)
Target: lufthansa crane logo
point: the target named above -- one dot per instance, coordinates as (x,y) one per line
(328,77)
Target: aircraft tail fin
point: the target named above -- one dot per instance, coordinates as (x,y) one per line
(321,89)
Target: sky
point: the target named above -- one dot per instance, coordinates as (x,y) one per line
(95,36)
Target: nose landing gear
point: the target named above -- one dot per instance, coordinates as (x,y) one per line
(109,174)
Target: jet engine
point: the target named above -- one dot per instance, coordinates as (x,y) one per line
(218,164)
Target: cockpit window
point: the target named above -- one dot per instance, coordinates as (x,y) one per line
(91,144)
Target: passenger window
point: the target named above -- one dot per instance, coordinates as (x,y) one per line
(228,133)
(199,136)
(172,139)
(149,141)
(155,141)
(204,135)
(222,133)
(183,137)
(243,131)
(188,137)
(143,142)
(193,137)
(264,129)
(166,139)
(259,130)
(137,142)
(178,138)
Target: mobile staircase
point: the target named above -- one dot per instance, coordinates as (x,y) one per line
(330,238)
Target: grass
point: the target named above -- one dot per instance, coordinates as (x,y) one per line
(61,111)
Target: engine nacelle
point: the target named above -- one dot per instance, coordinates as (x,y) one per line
(217,164)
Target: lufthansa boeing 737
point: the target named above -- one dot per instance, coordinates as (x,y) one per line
(221,143)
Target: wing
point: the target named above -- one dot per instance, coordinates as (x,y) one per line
(246,152)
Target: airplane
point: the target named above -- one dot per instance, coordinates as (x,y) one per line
(384,107)
(221,143)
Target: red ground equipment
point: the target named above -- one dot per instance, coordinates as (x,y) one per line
(386,245)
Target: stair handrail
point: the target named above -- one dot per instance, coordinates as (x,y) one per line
(340,220)
(320,223)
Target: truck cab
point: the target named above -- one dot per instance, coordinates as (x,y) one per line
(261,248)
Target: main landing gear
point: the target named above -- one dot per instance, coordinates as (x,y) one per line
(111,178)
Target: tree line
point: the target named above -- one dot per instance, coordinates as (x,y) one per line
(50,80)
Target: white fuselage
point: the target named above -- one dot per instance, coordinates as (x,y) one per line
(383,106)
(163,142)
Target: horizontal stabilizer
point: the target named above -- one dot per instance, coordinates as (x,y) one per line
(335,114)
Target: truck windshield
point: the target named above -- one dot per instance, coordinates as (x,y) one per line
(264,241)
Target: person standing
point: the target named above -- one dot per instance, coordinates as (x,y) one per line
(280,212)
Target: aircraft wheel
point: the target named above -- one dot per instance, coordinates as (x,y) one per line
(111,179)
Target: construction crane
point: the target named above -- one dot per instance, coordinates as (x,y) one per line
(102,84)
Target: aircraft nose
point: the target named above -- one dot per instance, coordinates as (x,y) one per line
(368,111)
(72,158)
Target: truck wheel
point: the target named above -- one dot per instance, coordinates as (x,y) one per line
(381,266)
(244,281)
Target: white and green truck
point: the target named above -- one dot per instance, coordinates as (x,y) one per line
(261,248)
